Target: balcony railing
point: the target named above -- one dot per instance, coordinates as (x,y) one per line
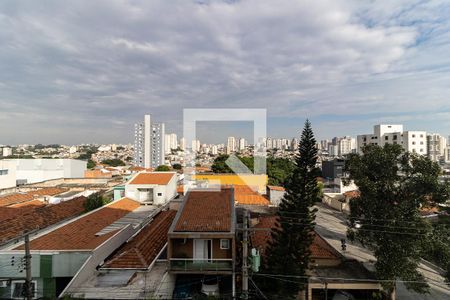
(190,264)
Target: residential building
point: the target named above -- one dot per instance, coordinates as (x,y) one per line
(294,144)
(436,145)
(39,170)
(195,145)
(214,150)
(7,174)
(275,194)
(257,182)
(72,249)
(202,236)
(242,144)
(231,145)
(325,262)
(155,188)
(183,143)
(332,169)
(7,152)
(170,142)
(411,141)
(149,143)
(346,145)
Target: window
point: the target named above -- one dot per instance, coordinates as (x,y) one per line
(224,244)
(159,194)
(413,135)
(395,137)
(3,172)
(386,138)
(413,143)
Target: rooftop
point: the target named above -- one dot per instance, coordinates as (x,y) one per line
(16,220)
(276,188)
(206,211)
(161,178)
(143,248)
(320,249)
(80,234)
(245,195)
(23,197)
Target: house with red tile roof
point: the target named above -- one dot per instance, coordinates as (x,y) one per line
(327,265)
(202,236)
(152,187)
(70,251)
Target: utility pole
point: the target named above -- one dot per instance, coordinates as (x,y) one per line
(245,258)
(28,284)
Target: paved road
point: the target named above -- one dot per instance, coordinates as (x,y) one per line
(332,226)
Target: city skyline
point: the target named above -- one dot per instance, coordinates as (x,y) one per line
(364,63)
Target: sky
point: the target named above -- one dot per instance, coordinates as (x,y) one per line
(86,71)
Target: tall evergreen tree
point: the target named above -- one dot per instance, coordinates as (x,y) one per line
(393,184)
(289,251)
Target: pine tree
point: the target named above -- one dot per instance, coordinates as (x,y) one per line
(289,251)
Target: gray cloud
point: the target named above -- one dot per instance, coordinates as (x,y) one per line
(85,71)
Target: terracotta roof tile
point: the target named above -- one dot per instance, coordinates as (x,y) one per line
(320,249)
(352,194)
(140,252)
(276,188)
(245,195)
(161,178)
(80,234)
(206,211)
(23,197)
(15,221)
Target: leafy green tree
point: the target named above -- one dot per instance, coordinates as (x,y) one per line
(94,201)
(113,162)
(162,168)
(289,251)
(177,167)
(393,184)
(91,164)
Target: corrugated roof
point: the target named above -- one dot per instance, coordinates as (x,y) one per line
(206,211)
(161,178)
(81,233)
(142,250)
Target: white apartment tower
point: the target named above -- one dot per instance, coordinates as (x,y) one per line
(346,145)
(183,143)
(436,146)
(411,141)
(231,145)
(170,142)
(149,143)
(241,144)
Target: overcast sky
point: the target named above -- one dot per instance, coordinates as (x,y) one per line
(85,71)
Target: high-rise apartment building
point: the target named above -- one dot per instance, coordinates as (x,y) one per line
(436,145)
(241,144)
(170,142)
(231,145)
(183,143)
(195,145)
(411,141)
(149,143)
